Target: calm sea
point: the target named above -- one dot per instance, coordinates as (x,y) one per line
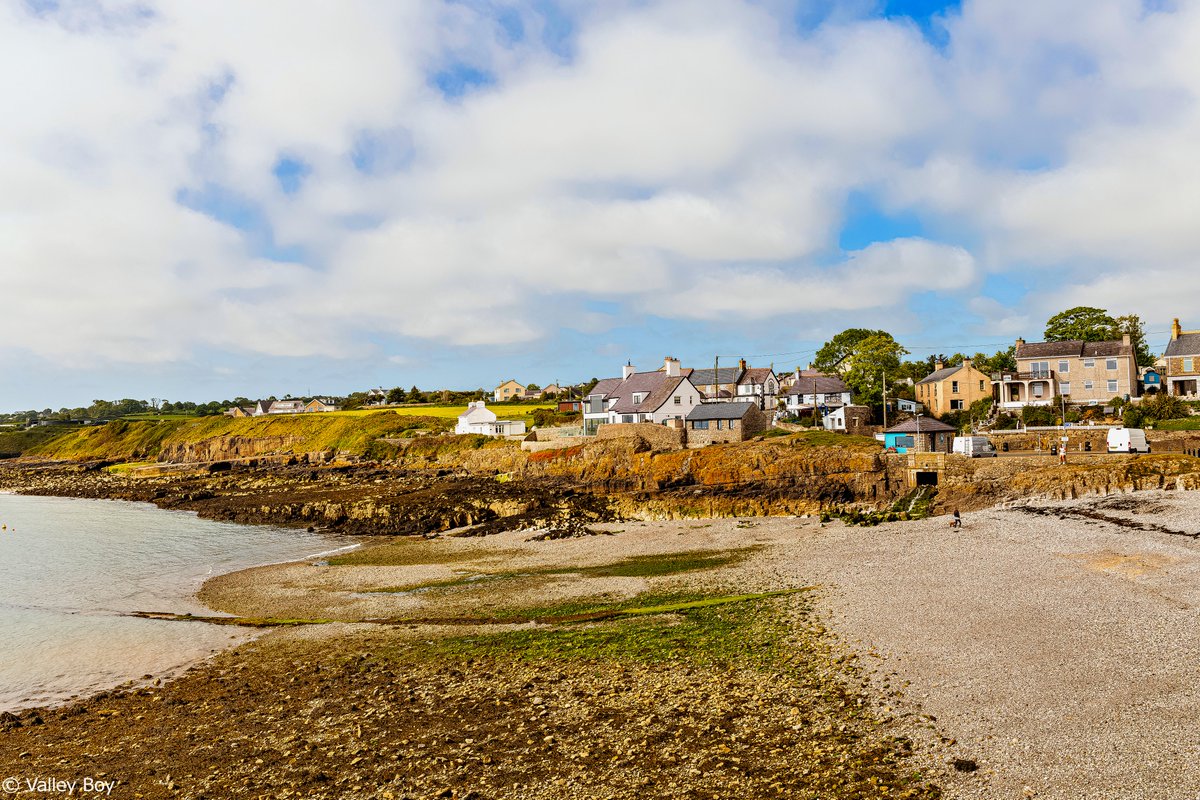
(70,569)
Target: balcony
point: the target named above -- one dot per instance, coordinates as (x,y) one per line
(1041,375)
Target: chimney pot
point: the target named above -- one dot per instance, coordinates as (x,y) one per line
(1176,331)
(1126,340)
(742,364)
(939,365)
(627,370)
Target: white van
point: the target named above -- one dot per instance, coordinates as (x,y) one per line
(974,447)
(1127,440)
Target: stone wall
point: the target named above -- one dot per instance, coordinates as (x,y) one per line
(754,422)
(658,437)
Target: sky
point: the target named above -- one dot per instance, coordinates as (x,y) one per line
(208,200)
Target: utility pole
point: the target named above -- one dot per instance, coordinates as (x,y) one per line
(884,400)
(716,384)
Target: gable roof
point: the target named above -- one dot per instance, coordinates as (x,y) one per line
(637,383)
(660,395)
(720,411)
(927,425)
(702,378)
(1188,344)
(1074,348)
(756,375)
(604,387)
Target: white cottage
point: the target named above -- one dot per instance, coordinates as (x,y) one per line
(478,418)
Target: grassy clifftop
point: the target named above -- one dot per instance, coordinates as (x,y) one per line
(300,433)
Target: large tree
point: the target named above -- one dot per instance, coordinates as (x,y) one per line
(1083,323)
(1132,324)
(861,357)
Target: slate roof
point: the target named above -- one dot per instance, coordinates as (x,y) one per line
(660,395)
(1074,349)
(702,379)
(1188,344)
(755,375)
(927,426)
(604,387)
(815,383)
(939,375)
(720,411)
(644,382)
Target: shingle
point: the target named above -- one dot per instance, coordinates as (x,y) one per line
(604,387)
(818,384)
(702,379)
(939,375)
(645,382)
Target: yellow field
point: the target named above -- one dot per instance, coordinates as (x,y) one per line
(449,412)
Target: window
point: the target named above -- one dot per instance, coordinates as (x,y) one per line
(905,441)
(1064,366)
(700,425)
(1112,387)
(638,397)
(1111,365)
(1087,386)
(720,424)
(732,424)
(1188,364)
(1089,363)
(1064,388)
(627,418)
(956,405)
(981,387)
(678,400)
(833,398)
(1039,389)
(954,387)
(1040,369)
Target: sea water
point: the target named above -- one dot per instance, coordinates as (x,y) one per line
(71,570)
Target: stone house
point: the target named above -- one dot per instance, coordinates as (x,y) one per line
(949,389)
(1183,362)
(848,419)
(509,390)
(1084,373)
(716,423)
(758,385)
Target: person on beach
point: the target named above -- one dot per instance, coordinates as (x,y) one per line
(957,521)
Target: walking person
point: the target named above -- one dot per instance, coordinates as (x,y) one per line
(957,521)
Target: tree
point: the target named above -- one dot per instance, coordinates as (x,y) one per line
(1131,325)
(861,357)
(396,395)
(415,396)
(835,355)
(1083,323)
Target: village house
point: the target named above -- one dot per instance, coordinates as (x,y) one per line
(375,397)
(811,389)
(480,419)
(319,406)
(289,406)
(730,421)
(719,383)
(509,390)
(758,385)
(656,397)
(921,435)
(1090,373)
(1183,362)
(949,389)
(240,411)
(552,390)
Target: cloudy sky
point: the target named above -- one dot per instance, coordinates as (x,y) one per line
(207,199)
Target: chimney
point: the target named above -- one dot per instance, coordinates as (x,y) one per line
(627,370)
(939,364)
(671,367)
(742,364)
(1125,340)
(966,363)
(1020,343)
(1176,331)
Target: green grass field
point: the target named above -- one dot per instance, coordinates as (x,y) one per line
(1186,424)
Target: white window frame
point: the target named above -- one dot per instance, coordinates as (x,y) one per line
(1064,366)
(1112,386)
(1110,364)
(1064,388)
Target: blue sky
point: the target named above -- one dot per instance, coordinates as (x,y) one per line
(271,198)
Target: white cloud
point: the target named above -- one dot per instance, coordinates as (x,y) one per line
(691,166)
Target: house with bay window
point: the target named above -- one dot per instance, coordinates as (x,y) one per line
(1084,373)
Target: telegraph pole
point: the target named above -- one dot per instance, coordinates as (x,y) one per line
(884,400)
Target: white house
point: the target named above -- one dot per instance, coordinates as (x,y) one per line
(287,407)
(478,418)
(812,389)
(659,396)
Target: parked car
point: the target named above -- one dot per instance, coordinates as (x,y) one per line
(974,447)
(1127,440)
